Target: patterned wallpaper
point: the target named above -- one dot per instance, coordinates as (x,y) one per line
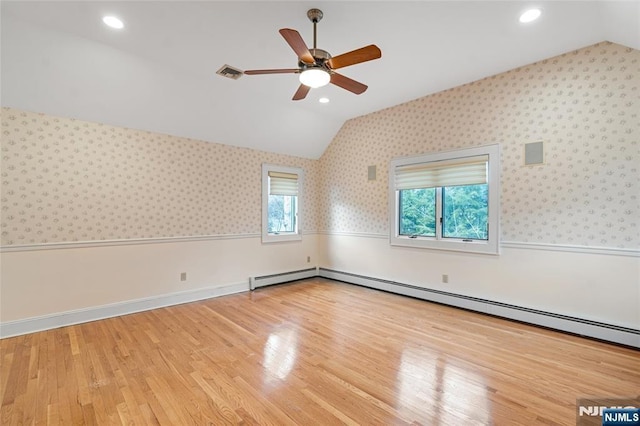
(584,105)
(67,180)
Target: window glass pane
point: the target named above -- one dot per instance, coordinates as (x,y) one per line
(465,212)
(282,212)
(418,212)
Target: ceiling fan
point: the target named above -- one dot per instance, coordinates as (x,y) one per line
(316,66)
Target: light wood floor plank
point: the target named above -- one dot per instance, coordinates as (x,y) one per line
(312,352)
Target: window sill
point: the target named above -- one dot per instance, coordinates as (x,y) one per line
(280,238)
(474,246)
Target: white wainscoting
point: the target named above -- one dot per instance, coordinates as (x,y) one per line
(63,319)
(587,292)
(56,285)
(622,335)
(590,291)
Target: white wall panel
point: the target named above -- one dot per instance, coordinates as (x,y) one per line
(44,282)
(597,287)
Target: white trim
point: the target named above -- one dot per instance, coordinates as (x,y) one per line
(571,248)
(87,244)
(611,333)
(354,234)
(62,319)
(108,243)
(611,251)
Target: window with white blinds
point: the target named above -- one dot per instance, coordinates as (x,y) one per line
(281,203)
(456,172)
(283,183)
(446,200)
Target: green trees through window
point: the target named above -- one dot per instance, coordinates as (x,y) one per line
(418,212)
(464,212)
(281,214)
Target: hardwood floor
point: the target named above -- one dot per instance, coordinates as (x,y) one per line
(313,352)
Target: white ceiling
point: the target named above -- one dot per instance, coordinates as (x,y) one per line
(158,73)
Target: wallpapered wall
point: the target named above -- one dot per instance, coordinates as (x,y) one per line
(69,180)
(585,105)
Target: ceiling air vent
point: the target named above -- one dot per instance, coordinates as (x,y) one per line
(229,72)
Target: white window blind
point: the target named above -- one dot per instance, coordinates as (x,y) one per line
(283,183)
(456,172)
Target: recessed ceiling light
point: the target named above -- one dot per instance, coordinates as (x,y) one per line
(323,100)
(530,15)
(113,22)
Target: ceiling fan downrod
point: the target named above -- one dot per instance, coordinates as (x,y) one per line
(315,15)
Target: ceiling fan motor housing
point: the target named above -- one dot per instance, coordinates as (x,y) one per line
(320,56)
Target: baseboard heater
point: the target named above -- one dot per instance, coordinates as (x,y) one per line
(598,330)
(265,280)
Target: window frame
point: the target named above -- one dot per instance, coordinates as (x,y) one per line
(491,245)
(268,237)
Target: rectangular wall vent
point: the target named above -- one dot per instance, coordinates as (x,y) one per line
(229,72)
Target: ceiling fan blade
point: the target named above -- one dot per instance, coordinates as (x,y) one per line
(298,45)
(364,54)
(348,84)
(301,93)
(280,71)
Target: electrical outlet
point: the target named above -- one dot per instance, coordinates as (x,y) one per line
(183,276)
(308,259)
(445,278)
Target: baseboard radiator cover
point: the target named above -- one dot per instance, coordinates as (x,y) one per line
(285,277)
(612,333)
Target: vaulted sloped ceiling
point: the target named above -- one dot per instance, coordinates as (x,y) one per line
(158,73)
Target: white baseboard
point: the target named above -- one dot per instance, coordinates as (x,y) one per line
(597,330)
(63,319)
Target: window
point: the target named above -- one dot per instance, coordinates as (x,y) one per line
(281,193)
(448,200)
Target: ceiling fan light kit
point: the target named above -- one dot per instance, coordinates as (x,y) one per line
(316,66)
(315,77)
